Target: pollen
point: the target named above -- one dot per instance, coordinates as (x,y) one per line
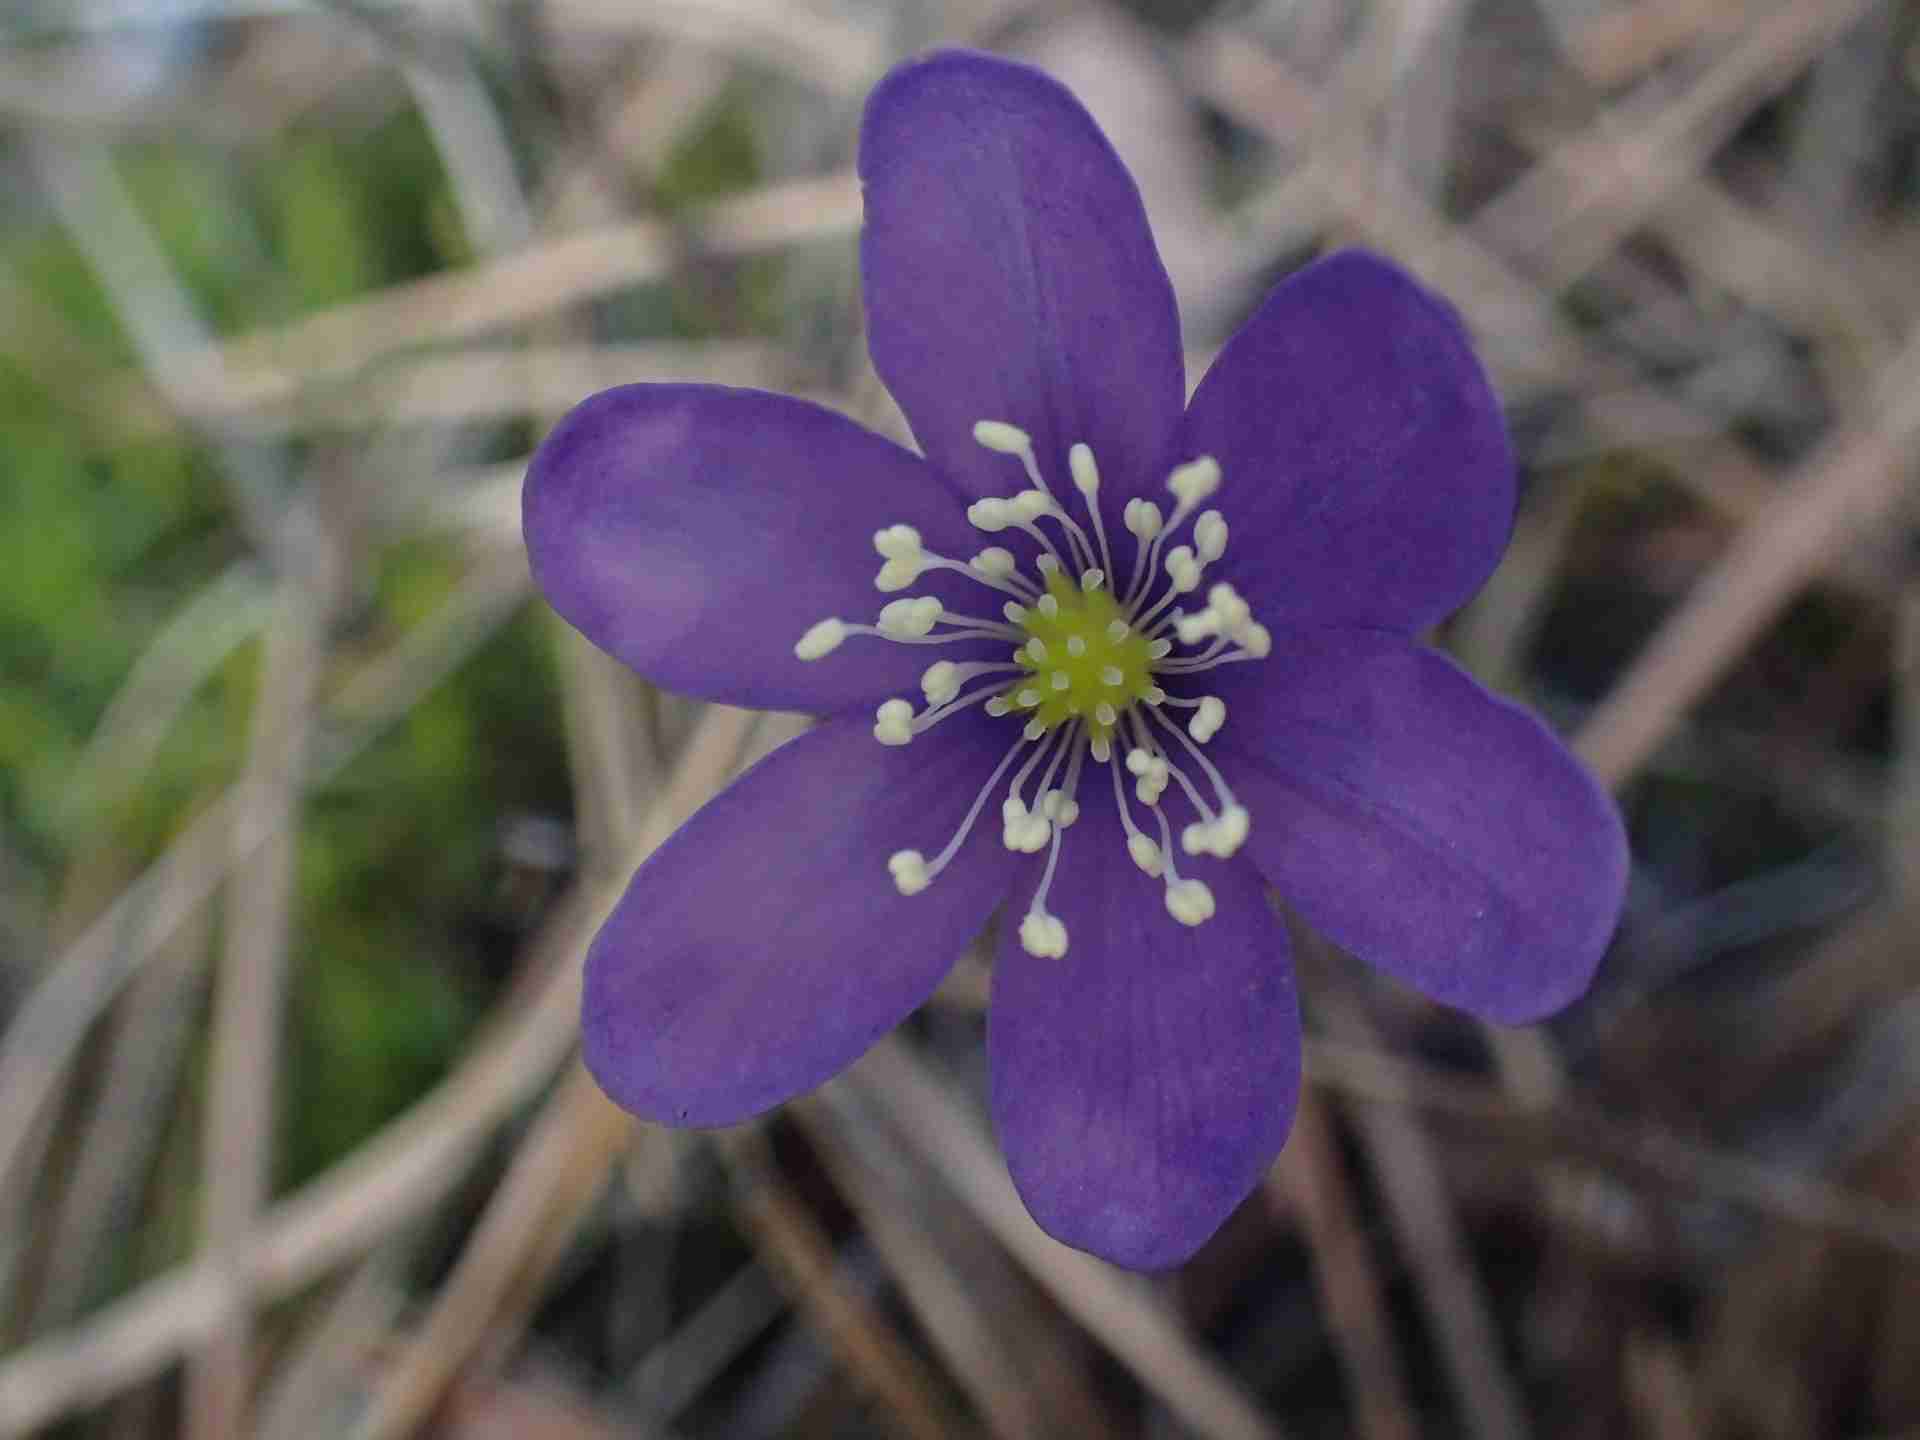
(1083,661)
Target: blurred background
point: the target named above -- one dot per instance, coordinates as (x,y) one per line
(307,805)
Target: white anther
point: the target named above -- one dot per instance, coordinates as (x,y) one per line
(898,542)
(1208,719)
(1151,774)
(1225,602)
(1142,519)
(1210,535)
(1027,698)
(999,705)
(1037,649)
(990,515)
(1221,837)
(1154,695)
(1066,812)
(1100,748)
(1192,629)
(893,723)
(1190,902)
(1058,680)
(1043,936)
(941,682)
(1254,638)
(1015,612)
(1048,605)
(909,870)
(1117,630)
(897,575)
(1182,569)
(1160,649)
(1105,713)
(1076,646)
(1086,474)
(1195,481)
(1036,727)
(1093,579)
(1020,830)
(915,616)
(1046,565)
(998,436)
(994,561)
(822,638)
(1111,676)
(1145,853)
(1229,830)
(1030,505)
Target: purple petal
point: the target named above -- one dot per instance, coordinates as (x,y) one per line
(1144,1081)
(1010,275)
(1437,832)
(1368,478)
(764,947)
(696,532)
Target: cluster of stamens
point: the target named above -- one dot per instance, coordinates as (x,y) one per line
(1083,679)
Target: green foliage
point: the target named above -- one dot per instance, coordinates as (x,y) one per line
(105,542)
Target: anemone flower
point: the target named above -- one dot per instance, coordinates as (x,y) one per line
(1182,671)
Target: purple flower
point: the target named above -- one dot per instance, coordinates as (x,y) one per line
(1136,661)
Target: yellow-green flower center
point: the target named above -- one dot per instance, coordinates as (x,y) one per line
(1083,661)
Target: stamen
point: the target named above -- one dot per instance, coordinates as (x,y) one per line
(1086,479)
(1161,769)
(1042,933)
(822,638)
(1210,536)
(1212,715)
(1023,830)
(1005,439)
(995,561)
(1145,853)
(1220,835)
(915,865)
(942,680)
(1073,699)
(1188,901)
(1183,577)
(1191,484)
(893,723)
(927,719)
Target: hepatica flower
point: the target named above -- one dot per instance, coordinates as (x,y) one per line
(1109,662)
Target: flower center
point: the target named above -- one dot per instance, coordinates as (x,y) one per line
(1083,661)
(1085,673)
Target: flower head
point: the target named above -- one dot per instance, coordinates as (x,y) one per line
(1113,662)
